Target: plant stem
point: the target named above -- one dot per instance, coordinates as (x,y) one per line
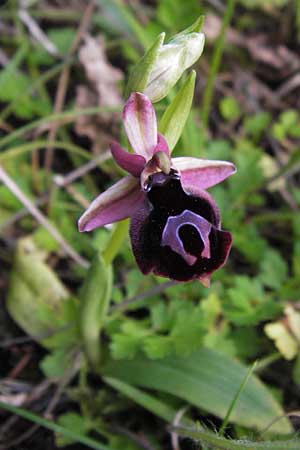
(115,241)
(85,440)
(63,116)
(215,64)
(218,442)
(236,397)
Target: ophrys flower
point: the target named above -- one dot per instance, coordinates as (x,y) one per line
(175,226)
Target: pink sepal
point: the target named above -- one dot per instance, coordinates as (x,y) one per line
(140,124)
(117,203)
(132,163)
(202,173)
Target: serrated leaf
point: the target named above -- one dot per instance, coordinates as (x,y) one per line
(55,364)
(70,421)
(273,269)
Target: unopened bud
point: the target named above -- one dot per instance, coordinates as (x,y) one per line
(163,65)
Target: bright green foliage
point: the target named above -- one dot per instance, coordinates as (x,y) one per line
(206,379)
(229,108)
(175,116)
(273,270)
(257,124)
(140,349)
(246,303)
(287,125)
(70,421)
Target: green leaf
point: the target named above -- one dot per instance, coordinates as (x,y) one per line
(208,380)
(156,347)
(246,303)
(288,118)
(230,108)
(194,28)
(55,364)
(74,435)
(149,402)
(70,421)
(273,269)
(175,116)
(37,300)
(255,125)
(139,74)
(94,299)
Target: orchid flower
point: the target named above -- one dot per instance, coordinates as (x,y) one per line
(175,225)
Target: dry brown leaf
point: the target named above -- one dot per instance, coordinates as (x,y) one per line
(260,47)
(102,90)
(103,76)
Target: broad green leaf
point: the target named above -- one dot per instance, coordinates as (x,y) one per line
(208,380)
(37,300)
(175,116)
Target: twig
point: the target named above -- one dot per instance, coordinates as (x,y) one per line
(36,213)
(62,181)
(22,213)
(153,291)
(22,363)
(215,64)
(64,79)
(176,423)
(141,441)
(25,339)
(36,31)
(32,396)
(63,382)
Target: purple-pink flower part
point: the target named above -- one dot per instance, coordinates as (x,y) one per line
(175,225)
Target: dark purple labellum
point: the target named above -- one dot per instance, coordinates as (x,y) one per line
(177,234)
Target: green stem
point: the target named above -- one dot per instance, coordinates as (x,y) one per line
(32,146)
(115,241)
(67,115)
(236,397)
(88,442)
(218,442)
(215,63)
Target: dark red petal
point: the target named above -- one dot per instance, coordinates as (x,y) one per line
(167,199)
(132,163)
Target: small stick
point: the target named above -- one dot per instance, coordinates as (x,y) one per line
(64,79)
(36,213)
(36,31)
(62,181)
